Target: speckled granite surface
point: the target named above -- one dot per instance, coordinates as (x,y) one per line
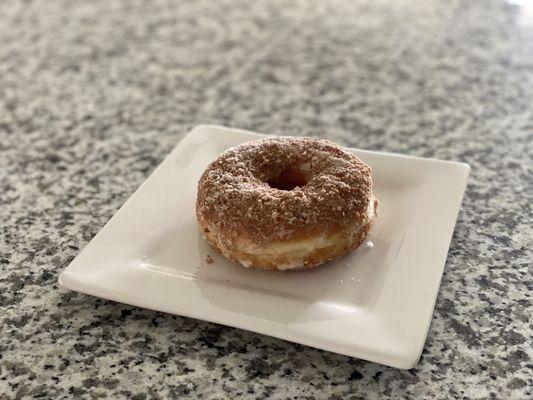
(94,94)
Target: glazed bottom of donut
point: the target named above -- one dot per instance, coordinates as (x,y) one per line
(295,254)
(338,246)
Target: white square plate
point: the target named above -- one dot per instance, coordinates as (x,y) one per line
(376,303)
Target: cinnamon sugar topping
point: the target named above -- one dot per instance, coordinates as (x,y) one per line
(281,188)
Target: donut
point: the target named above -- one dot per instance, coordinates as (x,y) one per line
(286,203)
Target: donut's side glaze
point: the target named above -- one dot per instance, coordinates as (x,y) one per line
(275,255)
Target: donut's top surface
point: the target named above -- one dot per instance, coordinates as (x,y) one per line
(284,188)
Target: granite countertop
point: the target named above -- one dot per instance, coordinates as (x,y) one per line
(94,94)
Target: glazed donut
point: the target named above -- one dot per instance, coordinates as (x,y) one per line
(285,203)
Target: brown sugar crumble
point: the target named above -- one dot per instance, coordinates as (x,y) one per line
(209,259)
(268,189)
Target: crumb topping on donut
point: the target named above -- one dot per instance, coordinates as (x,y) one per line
(284,187)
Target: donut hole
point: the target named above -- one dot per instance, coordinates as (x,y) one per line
(288,179)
